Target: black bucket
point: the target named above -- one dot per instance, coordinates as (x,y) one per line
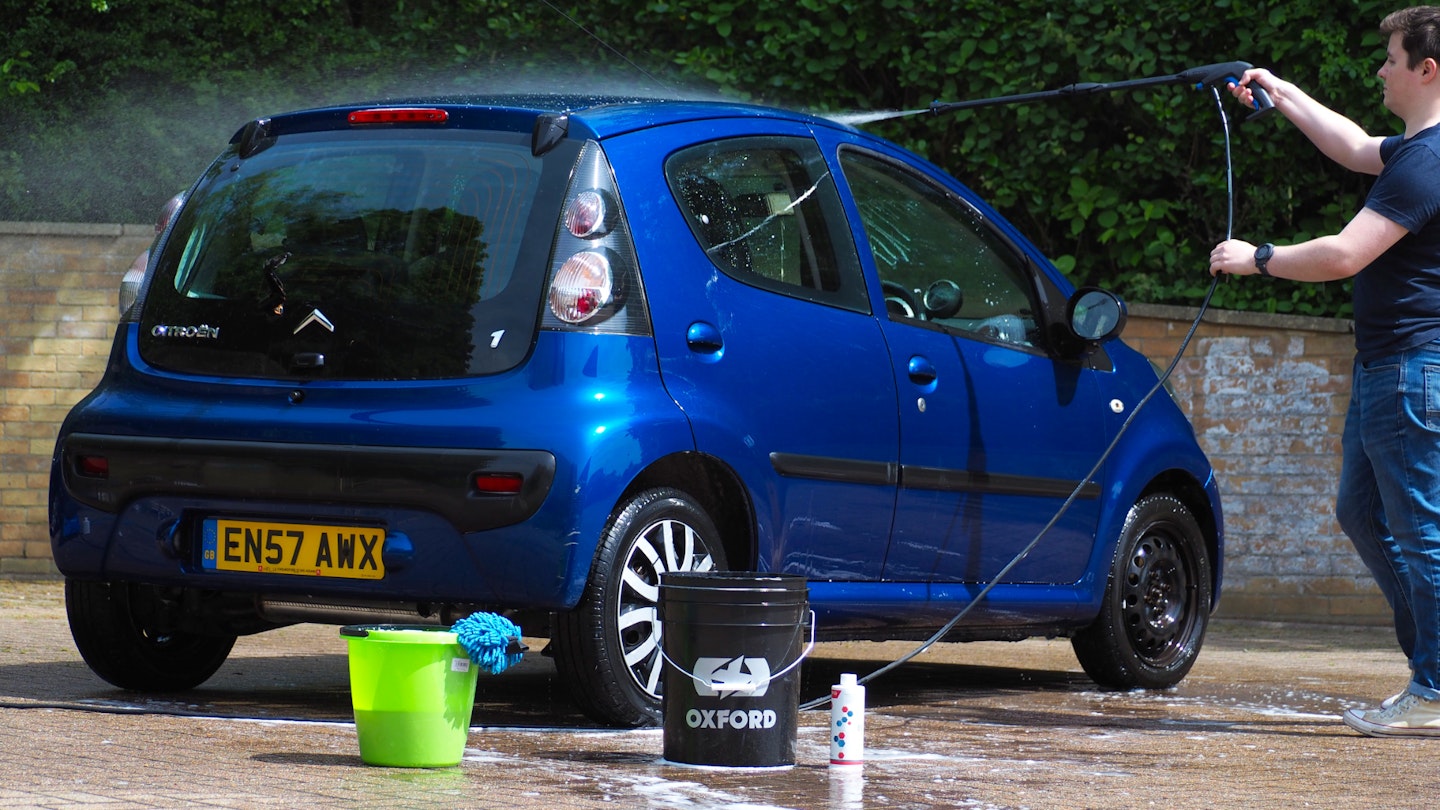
(732,644)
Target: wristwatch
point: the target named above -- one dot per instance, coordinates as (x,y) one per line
(1262,258)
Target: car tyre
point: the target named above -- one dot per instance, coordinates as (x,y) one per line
(608,647)
(107,621)
(1157,601)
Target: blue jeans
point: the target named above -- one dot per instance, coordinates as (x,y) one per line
(1389,499)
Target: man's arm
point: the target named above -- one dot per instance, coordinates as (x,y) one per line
(1336,136)
(1326,258)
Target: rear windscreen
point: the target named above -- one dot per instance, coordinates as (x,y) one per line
(383,255)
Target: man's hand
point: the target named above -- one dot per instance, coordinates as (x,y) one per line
(1234,257)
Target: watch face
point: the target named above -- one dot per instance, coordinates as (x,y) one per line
(1262,258)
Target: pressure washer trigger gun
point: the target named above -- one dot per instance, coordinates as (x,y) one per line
(1227,74)
(1259,98)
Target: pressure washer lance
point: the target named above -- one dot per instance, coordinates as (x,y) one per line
(1209,76)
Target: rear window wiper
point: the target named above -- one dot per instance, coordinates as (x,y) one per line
(276,302)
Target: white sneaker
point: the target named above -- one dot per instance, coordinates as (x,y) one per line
(1409,716)
(1384,704)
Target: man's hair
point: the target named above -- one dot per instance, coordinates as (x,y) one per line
(1419,29)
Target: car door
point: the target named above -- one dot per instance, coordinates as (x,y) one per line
(767,342)
(996,431)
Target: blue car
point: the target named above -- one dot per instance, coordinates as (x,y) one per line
(406,362)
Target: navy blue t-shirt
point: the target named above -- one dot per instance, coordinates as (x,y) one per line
(1397,297)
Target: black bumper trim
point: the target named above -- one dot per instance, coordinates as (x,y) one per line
(434,479)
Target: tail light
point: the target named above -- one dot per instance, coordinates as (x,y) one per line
(594,273)
(583,286)
(130,283)
(588,215)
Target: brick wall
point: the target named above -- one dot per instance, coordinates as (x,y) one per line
(59,287)
(1267,395)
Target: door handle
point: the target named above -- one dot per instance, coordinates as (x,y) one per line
(704,338)
(921,370)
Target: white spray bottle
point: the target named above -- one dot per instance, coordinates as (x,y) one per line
(847,722)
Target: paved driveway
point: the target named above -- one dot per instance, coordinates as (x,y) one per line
(966,725)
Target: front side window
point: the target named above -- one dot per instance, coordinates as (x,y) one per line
(349,255)
(938,260)
(766,212)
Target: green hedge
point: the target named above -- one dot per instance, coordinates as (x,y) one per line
(113,105)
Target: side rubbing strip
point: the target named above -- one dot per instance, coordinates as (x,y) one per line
(985,483)
(874,473)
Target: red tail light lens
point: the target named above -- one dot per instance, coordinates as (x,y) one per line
(399,115)
(497,483)
(93,466)
(583,286)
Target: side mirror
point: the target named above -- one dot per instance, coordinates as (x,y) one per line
(1096,315)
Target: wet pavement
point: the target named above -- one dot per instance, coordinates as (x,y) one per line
(985,725)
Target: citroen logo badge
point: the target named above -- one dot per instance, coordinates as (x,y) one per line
(315,316)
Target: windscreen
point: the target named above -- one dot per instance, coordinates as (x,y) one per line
(369,254)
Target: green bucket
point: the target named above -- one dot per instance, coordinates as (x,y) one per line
(413,689)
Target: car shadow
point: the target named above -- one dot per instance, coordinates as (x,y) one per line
(312,688)
(315,687)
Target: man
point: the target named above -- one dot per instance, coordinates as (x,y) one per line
(1389,491)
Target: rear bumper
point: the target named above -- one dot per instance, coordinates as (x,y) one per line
(142,522)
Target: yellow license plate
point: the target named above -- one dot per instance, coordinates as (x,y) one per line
(301,549)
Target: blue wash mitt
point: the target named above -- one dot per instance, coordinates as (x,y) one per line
(492,641)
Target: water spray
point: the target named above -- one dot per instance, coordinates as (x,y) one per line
(856,119)
(1211,77)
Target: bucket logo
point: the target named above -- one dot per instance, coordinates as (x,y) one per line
(740,675)
(738,719)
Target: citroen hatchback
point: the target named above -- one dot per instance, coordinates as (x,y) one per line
(405,362)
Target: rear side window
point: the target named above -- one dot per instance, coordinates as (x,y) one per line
(359,255)
(765,210)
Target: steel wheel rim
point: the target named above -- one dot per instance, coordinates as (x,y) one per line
(666,545)
(1157,600)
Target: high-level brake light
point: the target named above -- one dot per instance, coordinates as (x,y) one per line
(399,115)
